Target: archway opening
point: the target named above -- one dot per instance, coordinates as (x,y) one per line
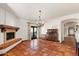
(69,28)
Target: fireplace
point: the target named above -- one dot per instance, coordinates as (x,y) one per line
(10,35)
(9,32)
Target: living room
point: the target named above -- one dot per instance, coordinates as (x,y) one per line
(40,29)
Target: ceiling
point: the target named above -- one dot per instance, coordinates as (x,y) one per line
(49,10)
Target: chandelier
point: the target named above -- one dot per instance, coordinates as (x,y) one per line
(40,21)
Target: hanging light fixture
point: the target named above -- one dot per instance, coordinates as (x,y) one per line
(40,22)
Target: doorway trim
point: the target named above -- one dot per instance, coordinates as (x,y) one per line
(29,29)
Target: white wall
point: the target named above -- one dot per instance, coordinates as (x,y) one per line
(9,19)
(1,37)
(50,24)
(23,31)
(56,23)
(12,20)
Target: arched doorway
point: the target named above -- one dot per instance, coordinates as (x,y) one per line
(68,28)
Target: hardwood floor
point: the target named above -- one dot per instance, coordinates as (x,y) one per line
(40,47)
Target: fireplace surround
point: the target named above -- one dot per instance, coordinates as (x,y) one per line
(9,31)
(9,41)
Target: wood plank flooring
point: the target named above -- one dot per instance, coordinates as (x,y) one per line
(40,47)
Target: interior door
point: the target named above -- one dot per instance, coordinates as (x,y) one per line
(33,32)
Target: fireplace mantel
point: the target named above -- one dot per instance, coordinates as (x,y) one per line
(4,27)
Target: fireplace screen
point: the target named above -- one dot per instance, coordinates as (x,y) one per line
(10,35)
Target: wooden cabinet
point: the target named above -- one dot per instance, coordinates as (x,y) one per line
(52,35)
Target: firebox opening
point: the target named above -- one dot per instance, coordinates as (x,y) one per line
(10,35)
